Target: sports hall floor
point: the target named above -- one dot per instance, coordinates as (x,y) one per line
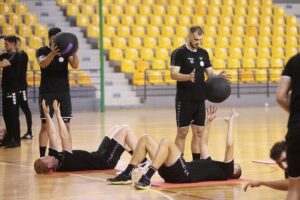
(256,129)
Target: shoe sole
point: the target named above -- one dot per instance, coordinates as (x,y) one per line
(139,187)
(121,183)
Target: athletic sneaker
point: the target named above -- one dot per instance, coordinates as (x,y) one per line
(27,136)
(121,179)
(143,183)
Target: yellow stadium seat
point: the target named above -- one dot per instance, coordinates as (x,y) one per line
(223,42)
(227,11)
(82,20)
(127,66)
(135,42)
(134,2)
(145,10)
(167,77)
(261,75)
(76,2)
(105,10)
(247,76)
(226,21)
(24,30)
(292,31)
(123,31)
(234,75)
(208,42)
(158,64)
(181,31)
(2,19)
(8,29)
(242,3)
(277,62)
(62,2)
(265,31)
(35,42)
(263,63)
(250,42)
(251,31)
(275,74)
(203,2)
(30,19)
(147,54)
(187,10)
(131,54)
(150,42)
(153,31)
(253,10)
(138,78)
(248,63)
(95,20)
(178,41)
(30,52)
(264,41)
(279,21)
(188,2)
(214,10)
(278,52)
(115,54)
(72,10)
(229,2)
(93,31)
(170,20)
(141,20)
(199,20)
(142,65)
(95,2)
(279,11)
(238,31)
(211,31)
(216,2)
(240,11)
(131,10)
(278,41)
(249,53)
(200,10)
(87,9)
(173,10)
(155,77)
(184,21)
(127,20)
(266,3)
(162,54)
(167,31)
(109,31)
(112,20)
(289,52)
(263,52)
(116,10)
(210,52)
(266,21)
(138,31)
(236,42)
(291,41)
(159,10)
(221,53)
(219,63)
(252,21)
(233,63)
(20,8)
(148,2)
(212,20)
(156,20)
(119,42)
(106,43)
(235,53)
(291,21)
(266,11)
(164,42)
(5,8)
(224,31)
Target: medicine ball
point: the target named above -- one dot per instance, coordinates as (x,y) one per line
(67,43)
(217,89)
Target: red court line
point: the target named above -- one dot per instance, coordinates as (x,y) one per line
(203,183)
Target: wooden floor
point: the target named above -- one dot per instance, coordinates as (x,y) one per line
(256,129)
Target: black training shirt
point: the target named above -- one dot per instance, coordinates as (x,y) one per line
(77,160)
(23,70)
(54,78)
(10,74)
(188,60)
(210,170)
(292,70)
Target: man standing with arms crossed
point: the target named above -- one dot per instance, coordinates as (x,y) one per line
(188,64)
(54,83)
(288,97)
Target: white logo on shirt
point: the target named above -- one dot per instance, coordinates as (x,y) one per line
(61,59)
(191,60)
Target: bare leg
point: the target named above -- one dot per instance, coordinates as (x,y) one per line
(124,136)
(196,138)
(69,130)
(294,189)
(180,137)
(43,139)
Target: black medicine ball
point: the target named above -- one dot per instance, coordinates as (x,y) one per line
(67,43)
(217,89)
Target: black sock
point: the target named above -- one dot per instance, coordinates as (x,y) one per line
(42,151)
(151,171)
(128,171)
(145,160)
(196,156)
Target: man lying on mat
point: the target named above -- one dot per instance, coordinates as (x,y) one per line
(278,154)
(171,166)
(106,157)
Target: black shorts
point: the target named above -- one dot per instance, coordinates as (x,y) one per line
(190,112)
(177,173)
(293,150)
(65,105)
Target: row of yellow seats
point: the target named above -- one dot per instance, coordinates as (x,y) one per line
(13,7)
(162,77)
(117,54)
(25,30)
(18,19)
(248,63)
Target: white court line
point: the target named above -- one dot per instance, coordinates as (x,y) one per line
(6,163)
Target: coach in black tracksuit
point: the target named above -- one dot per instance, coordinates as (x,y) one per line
(10,87)
(188,64)
(54,83)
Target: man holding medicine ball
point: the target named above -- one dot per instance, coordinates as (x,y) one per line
(54,83)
